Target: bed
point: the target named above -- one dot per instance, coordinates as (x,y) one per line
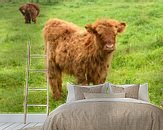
(92,108)
(105,114)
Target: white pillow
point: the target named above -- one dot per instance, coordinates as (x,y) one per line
(143,92)
(76,92)
(103,95)
(71,93)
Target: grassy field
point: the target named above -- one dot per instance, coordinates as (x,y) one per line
(138,58)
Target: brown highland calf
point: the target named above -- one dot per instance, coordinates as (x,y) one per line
(84,53)
(30,11)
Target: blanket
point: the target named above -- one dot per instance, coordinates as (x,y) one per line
(105,114)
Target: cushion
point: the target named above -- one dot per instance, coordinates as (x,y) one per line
(143,92)
(104,95)
(76,92)
(132,91)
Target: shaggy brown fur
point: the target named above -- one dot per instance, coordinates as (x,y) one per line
(30,11)
(86,54)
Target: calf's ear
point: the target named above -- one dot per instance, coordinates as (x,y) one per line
(121,27)
(89,28)
(22,10)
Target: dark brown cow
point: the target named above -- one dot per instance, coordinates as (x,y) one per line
(30,11)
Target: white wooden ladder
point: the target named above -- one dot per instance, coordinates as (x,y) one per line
(27,89)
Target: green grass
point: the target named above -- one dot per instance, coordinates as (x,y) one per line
(138,58)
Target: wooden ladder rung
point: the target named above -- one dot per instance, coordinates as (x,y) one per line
(38,56)
(40,70)
(37,89)
(36,105)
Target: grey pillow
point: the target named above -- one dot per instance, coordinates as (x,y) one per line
(76,92)
(131,91)
(80,90)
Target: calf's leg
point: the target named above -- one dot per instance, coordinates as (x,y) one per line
(55,79)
